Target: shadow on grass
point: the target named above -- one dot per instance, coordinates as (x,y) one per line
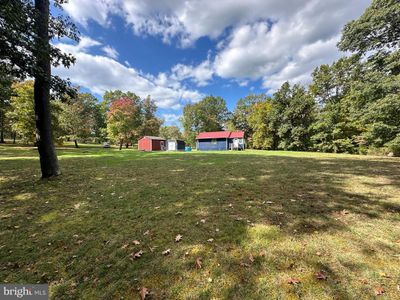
(72,231)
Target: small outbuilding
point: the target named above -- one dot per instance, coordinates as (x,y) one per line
(220,140)
(152,143)
(175,145)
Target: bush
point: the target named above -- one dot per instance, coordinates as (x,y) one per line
(394,145)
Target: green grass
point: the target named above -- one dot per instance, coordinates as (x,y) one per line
(271,215)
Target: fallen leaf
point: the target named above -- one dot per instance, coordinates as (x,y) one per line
(203,221)
(263,253)
(198,263)
(166,252)
(124,246)
(179,213)
(136,255)
(321,275)
(157,207)
(209,280)
(385,275)
(136,242)
(178,238)
(318,253)
(364,281)
(344,212)
(210,240)
(143,293)
(146,232)
(292,280)
(251,258)
(379,291)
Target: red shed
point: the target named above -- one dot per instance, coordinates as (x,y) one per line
(151,143)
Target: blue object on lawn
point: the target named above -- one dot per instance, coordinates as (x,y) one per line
(188,149)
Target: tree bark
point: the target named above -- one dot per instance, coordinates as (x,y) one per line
(14,137)
(76,143)
(1,127)
(120,145)
(48,158)
(127,145)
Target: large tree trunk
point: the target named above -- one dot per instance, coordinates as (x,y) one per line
(76,143)
(48,157)
(1,127)
(14,137)
(120,145)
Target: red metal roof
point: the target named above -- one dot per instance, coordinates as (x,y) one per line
(220,135)
(237,135)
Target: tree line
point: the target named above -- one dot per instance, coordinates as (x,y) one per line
(351,105)
(121,117)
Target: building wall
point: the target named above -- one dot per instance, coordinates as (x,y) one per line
(157,145)
(144,144)
(207,144)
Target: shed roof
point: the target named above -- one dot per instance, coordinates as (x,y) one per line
(153,137)
(220,135)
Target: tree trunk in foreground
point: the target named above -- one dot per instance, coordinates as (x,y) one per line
(1,127)
(120,145)
(76,143)
(48,157)
(14,137)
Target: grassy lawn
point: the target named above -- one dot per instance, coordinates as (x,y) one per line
(256,220)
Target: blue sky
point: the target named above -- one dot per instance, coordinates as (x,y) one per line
(180,51)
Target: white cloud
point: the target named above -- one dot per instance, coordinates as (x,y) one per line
(110,51)
(272,40)
(200,74)
(100,73)
(171,119)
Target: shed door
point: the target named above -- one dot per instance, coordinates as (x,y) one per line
(171,146)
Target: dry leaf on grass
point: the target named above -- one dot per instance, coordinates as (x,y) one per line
(379,291)
(198,263)
(167,252)
(321,275)
(178,238)
(136,255)
(210,240)
(146,232)
(292,280)
(143,293)
(124,246)
(263,253)
(385,275)
(136,242)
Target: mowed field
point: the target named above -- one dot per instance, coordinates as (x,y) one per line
(253,224)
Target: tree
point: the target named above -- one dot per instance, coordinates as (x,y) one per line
(21,113)
(25,32)
(294,113)
(151,124)
(171,133)
(124,120)
(242,112)
(260,122)
(378,29)
(210,114)
(78,117)
(5,95)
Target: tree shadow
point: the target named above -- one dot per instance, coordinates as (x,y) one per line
(248,202)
